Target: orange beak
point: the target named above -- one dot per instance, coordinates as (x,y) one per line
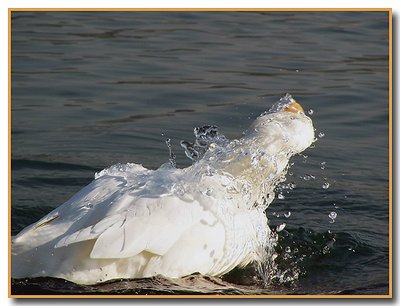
(294,107)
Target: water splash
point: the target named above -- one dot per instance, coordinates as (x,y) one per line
(226,178)
(213,152)
(283,103)
(206,137)
(292,259)
(280,227)
(172,156)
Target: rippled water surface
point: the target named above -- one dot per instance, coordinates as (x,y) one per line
(91,89)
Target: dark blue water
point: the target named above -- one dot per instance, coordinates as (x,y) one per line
(91,89)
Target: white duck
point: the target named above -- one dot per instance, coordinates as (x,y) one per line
(131,222)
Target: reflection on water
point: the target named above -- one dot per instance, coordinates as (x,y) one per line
(92,89)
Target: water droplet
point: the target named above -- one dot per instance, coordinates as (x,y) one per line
(321,134)
(212,146)
(288,214)
(207,192)
(280,227)
(308,177)
(255,159)
(281,196)
(325,185)
(287,249)
(332,215)
(310,111)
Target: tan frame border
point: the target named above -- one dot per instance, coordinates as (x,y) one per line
(390,21)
